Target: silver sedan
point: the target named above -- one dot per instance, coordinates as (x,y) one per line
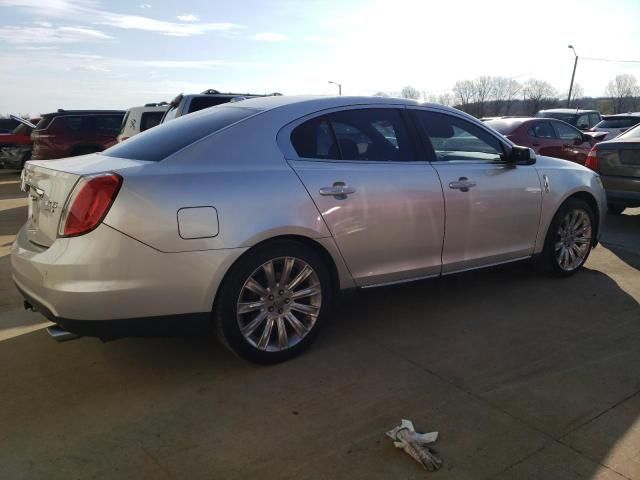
(250,217)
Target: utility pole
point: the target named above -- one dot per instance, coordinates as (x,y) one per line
(339,87)
(573,75)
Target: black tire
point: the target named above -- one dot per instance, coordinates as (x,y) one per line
(615,209)
(547,260)
(226,319)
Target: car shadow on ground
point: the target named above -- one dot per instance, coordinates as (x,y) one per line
(622,236)
(510,366)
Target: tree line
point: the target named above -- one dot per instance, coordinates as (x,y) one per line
(496,96)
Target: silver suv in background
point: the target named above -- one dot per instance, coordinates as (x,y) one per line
(184,104)
(139,119)
(614,125)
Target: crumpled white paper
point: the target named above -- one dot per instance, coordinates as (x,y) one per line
(404,436)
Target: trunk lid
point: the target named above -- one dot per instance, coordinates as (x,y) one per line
(619,158)
(50,182)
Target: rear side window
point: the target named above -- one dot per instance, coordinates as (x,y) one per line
(367,134)
(158,143)
(594,118)
(314,139)
(541,130)
(455,140)
(150,119)
(199,103)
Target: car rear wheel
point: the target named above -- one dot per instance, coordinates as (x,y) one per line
(272,302)
(569,238)
(615,209)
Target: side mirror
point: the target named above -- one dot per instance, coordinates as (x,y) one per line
(522,156)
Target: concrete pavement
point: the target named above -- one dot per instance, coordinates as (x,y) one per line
(525,377)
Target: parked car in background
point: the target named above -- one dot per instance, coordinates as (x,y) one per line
(139,119)
(614,125)
(581,119)
(549,137)
(15,147)
(184,104)
(8,125)
(249,217)
(67,133)
(618,163)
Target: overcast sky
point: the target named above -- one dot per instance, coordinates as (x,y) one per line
(117,54)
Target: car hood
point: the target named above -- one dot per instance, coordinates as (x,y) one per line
(551,162)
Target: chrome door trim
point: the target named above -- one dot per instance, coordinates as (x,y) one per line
(486,265)
(397,282)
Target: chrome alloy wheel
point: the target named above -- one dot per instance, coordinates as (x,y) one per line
(573,240)
(279,304)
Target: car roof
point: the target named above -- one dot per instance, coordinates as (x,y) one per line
(621,115)
(568,110)
(313,103)
(83,112)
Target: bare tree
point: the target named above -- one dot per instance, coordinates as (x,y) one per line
(622,90)
(464,94)
(538,93)
(504,92)
(445,99)
(483,90)
(410,92)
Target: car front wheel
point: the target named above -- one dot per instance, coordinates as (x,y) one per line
(569,239)
(273,301)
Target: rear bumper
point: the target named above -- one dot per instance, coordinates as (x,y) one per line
(622,190)
(106,276)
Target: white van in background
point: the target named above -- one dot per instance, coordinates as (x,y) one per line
(139,119)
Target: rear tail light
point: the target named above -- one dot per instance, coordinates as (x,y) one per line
(88,204)
(592,159)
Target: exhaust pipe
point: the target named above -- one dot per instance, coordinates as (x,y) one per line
(60,334)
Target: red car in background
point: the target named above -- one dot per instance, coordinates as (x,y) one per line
(548,137)
(15,147)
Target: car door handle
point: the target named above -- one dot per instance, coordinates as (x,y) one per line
(339,190)
(463,184)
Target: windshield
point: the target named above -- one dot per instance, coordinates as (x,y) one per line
(159,142)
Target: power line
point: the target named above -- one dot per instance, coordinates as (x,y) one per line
(609,60)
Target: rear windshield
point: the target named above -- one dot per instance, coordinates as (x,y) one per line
(632,133)
(504,127)
(158,143)
(565,117)
(619,122)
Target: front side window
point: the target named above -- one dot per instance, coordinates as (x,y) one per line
(567,132)
(372,134)
(455,140)
(541,130)
(583,122)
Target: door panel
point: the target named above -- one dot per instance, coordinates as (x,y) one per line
(496,220)
(492,209)
(391,227)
